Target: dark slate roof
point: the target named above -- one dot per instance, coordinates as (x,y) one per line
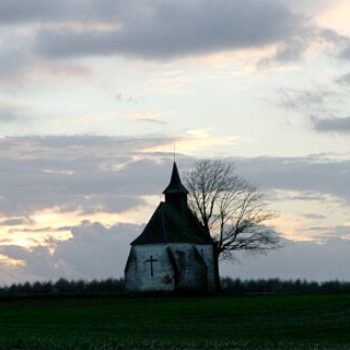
(175,185)
(167,225)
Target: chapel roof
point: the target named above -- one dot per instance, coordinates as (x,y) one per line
(168,225)
(171,222)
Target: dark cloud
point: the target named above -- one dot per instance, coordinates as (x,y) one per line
(308,196)
(332,36)
(109,248)
(152,121)
(338,125)
(40,230)
(111,144)
(11,114)
(78,173)
(316,175)
(168,29)
(110,174)
(294,48)
(313,103)
(20,66)
(328,260)
(337,230)
(155,29)
(292,51)
(339,44)
(309,102)
(14,61)
(162,29)
(315,216)
(14,222)
(101,173)
(344,79)
(17,11)
(94,251)
(345,54)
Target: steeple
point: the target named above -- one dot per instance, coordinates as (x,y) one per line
(175,186)
(176,192)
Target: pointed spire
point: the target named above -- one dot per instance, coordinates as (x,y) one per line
(175,186)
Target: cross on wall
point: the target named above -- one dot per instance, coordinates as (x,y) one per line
(151,261)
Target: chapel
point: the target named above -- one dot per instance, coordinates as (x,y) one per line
(173,252)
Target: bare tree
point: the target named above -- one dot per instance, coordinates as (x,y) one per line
(231,210)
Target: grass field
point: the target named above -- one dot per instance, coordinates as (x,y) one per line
(242,322)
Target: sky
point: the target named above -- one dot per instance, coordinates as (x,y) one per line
(93,94)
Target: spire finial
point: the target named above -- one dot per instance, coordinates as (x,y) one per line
(174,149)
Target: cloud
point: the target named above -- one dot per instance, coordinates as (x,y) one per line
(317,174)
(76,173)
(344,79)
(155,30)
(83,174)
(152,121)
(93,252)
(308,101)
(17,11)
(313,103)
(333,37)
(292,50)
(310,36)
(15,60)
(328,260)
(112,174)
(345,54)
(14,222)
(96,252)
(108,246)
(163,30)
(315,216)
(337,125)
(335,230)
(12,112)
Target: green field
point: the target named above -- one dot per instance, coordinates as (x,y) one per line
(242,322)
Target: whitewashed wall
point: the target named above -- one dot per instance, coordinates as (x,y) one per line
(138,275)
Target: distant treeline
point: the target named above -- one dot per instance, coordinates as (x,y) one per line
(277,286)
(64,287)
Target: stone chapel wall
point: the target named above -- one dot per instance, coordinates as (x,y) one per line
(150,268)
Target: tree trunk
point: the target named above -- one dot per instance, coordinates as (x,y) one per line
(216,269)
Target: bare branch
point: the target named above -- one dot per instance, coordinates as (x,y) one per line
(230,209)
